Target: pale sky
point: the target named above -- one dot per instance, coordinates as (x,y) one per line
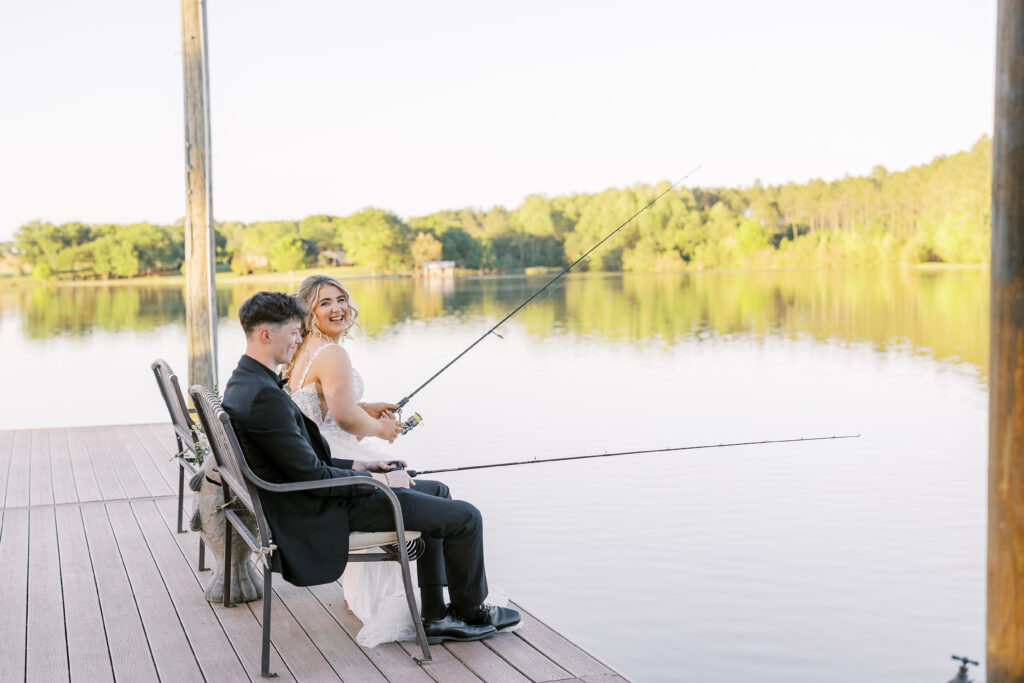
(325,106)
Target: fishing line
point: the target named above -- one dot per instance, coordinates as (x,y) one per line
(544,288)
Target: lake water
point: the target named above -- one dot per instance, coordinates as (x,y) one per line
(851,560)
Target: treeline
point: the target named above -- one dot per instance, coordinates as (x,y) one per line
(934,212)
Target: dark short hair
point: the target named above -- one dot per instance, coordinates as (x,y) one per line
(275,308)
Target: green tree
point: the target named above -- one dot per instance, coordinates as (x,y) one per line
(538,216)
(376,239)
(286,254)
(425,248)
(321,230)
(260,238)
(41,271)
(239,266)
(459,246)
(114,257)
(232,234)
(51,244)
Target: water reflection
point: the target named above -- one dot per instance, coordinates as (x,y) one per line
(942,313)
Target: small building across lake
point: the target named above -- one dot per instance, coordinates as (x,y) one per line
(438,269)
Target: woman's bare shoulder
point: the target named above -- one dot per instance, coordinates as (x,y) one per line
(332,358)
(309,362)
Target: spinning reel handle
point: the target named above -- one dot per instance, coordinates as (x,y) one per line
(399,465)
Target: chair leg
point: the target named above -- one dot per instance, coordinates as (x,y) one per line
(202,556)
(181,495)
(267,603)
(421,636)
(227,563)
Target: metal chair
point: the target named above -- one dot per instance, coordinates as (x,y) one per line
(186,435)
(241,485)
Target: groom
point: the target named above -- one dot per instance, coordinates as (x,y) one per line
(311,528)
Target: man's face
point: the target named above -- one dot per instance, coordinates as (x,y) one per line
(283,340)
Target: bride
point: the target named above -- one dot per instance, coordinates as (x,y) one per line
(326,387)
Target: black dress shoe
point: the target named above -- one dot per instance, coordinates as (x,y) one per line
(454,627)
(498,617)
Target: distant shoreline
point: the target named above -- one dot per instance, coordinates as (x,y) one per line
(344,273)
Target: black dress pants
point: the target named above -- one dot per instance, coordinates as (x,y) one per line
(452,529)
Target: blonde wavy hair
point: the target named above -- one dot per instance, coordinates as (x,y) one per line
(309,294)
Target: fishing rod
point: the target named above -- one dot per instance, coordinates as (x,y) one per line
(416,419)
(396,464)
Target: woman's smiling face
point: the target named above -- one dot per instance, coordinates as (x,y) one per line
(332,312)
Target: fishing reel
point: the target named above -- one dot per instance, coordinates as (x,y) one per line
(413,420)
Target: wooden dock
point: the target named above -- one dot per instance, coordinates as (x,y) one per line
(111,591)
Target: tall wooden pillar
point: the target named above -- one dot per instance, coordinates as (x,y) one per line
(1005,632)
(200,295)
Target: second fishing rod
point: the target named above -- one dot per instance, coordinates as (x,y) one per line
(415,419)
(399,465)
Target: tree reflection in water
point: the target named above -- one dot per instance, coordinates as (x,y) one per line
(943,313)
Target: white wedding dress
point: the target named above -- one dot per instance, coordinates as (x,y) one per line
(373,590)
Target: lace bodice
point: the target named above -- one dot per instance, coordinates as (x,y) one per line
(307,397)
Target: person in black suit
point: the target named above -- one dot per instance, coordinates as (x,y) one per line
(311,528)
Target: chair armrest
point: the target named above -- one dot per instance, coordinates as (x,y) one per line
(396,509)
(329,483)
(315,484)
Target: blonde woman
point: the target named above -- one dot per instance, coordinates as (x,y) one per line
(322,381)
(329,391)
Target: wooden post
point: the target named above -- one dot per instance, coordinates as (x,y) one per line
(200,295)
(1005,632)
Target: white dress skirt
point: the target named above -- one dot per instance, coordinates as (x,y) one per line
(374,591)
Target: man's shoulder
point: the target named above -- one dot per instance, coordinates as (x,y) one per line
(245,388)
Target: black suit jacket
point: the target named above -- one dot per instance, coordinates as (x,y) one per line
(282,445)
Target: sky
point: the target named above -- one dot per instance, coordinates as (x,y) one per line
(323,106)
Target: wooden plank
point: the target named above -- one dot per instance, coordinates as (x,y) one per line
(302,656)
(445,667)
(40,486)
(614,678)
(529,661)
(20,471)
(61,475)
(124,462)
(6,446)
(485,663)
(86,638)
(334,643)
(144,465)
(129,651)
(241,627)
(46,647)
(566,654)
(171,650)
(390,658)
(164,432)
(160,445)
(81,466)
(13,589)
(210,644)
(103,465)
